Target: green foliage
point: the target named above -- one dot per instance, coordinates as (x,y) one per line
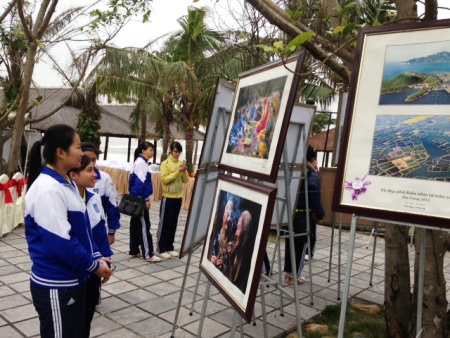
(357,321)
(119,11)
(11,93)
(280,48)
(321,122)
(88,128)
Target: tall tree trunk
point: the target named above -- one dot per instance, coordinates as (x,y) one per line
(19,124)
(190,142)
(406,10)
(1,151)
(143,128)
(166,139)
(434,317)
(397,294)
(431,10)
(167,106)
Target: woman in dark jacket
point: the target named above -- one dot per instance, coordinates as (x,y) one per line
(315,214)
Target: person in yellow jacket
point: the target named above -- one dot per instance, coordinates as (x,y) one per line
(173,175)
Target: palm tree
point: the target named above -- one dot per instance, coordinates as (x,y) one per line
(186,51)
(131,75)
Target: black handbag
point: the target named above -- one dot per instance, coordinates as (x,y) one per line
(132,205)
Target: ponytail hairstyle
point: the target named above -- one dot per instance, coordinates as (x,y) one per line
(44,151)
(176,145)
(142,146)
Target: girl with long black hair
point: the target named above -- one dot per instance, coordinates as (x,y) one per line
(58,235)
(140,184)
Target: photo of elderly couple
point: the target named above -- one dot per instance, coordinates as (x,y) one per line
(233,237)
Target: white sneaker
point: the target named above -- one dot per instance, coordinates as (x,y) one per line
(154,259)
(164,255)
(306,258)
(173,253)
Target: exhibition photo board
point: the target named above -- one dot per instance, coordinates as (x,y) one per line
(297,137)
(236,240)
(217,123)
(202,199)
(260,116)
(395,164)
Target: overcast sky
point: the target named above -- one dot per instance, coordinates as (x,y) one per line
(163,20)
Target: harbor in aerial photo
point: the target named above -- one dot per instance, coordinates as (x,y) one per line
(413,146)
(416,74)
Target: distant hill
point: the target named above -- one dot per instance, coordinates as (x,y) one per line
(402,83)
(399,83)
(438,57)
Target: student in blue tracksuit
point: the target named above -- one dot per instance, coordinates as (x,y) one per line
(104,186)
(85,177)
(58,235)
(140,184)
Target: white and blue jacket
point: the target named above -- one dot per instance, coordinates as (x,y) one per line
(58,233)
(104,186)
(96,217)
(140,181)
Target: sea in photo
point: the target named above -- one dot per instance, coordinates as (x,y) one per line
(416,74)
(413,146)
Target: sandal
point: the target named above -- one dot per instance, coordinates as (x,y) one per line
(289,280)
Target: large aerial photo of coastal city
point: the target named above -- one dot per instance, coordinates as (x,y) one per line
(416,74)
(413,146)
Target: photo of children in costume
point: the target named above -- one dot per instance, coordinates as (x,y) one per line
(255,118)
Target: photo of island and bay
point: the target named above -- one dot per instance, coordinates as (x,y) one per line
(413,146)
(416,74)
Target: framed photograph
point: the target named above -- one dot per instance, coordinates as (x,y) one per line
(260,117)
(217,124)
(236,240)
(197,219)
(396,162)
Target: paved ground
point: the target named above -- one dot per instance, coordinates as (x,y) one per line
(141,299)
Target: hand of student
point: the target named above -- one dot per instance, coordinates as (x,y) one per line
(111,239)
(104,272)
(148,204)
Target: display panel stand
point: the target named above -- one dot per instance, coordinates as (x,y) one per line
(287,204)
(208,167)
(296,138)
(348,271)
(333,225)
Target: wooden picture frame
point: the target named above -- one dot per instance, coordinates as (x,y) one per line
(260,117)
(395,164)
(236,240)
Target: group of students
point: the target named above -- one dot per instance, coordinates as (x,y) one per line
(66,208)
(66,233)
(68,240)
(173,175)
